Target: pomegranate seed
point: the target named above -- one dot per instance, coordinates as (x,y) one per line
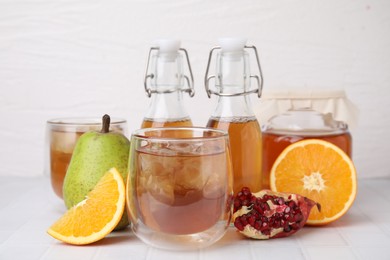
(257,225)
(238,224)
(287,229)
(265,225)
(298,218)
(253,200)
(291,204)
(276,224)
(294,226)
(265,206)
(278,201)
(244,220)
(246,191)
(266,232)
(251,220)
(258,209)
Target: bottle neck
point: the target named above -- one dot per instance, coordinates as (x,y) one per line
(233,79)
(168,72)
(233,107)
(167,107)
(233,72)
(167,85)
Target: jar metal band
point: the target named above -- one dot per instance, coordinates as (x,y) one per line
(190,80)
(259,78)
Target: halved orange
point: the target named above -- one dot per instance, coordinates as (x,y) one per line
(320,171)
(96,216)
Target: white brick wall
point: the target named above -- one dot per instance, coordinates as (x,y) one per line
(65,58)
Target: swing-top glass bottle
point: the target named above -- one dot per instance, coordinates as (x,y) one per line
(233,112)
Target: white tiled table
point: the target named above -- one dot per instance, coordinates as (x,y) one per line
(28,207)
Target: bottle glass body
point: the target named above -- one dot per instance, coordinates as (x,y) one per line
(235,115)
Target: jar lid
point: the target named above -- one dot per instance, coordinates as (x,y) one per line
(333,102)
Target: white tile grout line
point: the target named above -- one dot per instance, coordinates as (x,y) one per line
(384,230)
(48,249)
(96,253)
(338,229)
(349,244)
(305,254)
(13,233)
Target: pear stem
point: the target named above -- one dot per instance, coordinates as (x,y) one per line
(105,124)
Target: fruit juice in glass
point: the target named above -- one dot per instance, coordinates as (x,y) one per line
(181,194)
(179,189)
(61,149)
(61,138)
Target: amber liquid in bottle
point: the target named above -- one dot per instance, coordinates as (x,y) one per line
(153,123)
(246,150)
(275,142)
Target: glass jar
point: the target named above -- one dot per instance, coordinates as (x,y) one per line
(291,116)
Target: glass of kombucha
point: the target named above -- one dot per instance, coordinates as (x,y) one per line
(61,137)
(179,189)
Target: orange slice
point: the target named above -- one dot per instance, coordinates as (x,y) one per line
(96,216)
(320,171)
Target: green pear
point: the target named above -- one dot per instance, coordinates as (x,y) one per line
(94,154)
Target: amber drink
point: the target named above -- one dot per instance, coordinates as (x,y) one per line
(61,148)
(246,150)
(61,137)
(151,123)
(180,186)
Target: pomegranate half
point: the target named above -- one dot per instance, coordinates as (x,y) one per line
(267,214)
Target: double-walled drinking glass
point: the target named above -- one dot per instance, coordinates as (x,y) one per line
(61,137)
(179,189)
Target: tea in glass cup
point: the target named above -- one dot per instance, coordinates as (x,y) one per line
(61,137)
(179,189)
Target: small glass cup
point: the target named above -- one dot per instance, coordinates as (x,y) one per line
(61,137)
(179,189)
